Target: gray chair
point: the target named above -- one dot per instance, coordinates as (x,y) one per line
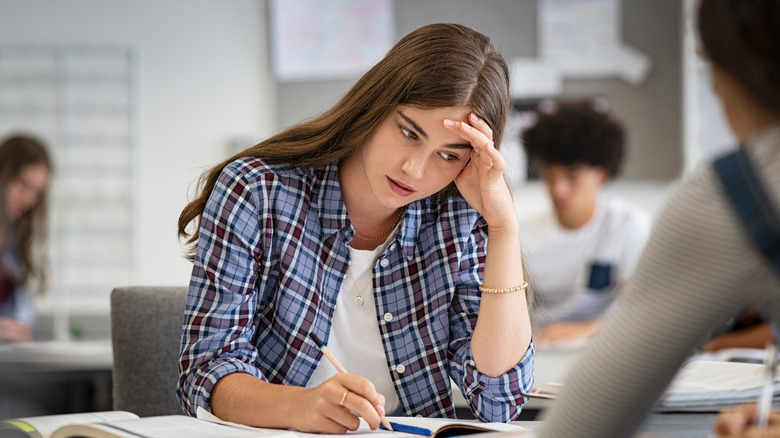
(146,325)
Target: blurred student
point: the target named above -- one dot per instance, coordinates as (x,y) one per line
(25,170)
(586,248)
(714,248)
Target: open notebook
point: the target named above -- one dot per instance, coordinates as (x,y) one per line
(437,427)
(121,424)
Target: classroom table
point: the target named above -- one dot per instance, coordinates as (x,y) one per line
(551,366)
(76,377)
(679,425)
(53,377)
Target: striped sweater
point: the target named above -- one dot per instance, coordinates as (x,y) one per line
(699,268)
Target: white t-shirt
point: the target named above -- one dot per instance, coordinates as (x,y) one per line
(577,273)
(354,334)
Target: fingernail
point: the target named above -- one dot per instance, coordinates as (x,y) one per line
(380,408)
(448,122)
(473,117)
(466,126)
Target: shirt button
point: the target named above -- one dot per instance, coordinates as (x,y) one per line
(384,263)
(419,416)
(388,317)
(392,247)
(400,369)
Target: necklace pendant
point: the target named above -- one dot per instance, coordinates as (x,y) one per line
(359,301)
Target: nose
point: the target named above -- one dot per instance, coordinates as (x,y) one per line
(414,165)
(559,188)
(28,201)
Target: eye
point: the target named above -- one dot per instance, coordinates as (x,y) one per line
(408,133)
(449,157)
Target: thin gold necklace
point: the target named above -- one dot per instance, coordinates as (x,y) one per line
(359,301)
(386,232)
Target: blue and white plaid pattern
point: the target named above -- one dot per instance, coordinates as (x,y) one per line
(270,261)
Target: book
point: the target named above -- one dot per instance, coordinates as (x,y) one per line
(121,424)
(413,427)
(747,355)
(115,424)
(547,391)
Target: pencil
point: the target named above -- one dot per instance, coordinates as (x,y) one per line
(765,400)
(341,369)
(398,427)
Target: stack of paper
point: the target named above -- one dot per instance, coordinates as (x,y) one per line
(704,385)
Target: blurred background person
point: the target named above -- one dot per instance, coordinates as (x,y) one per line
(714,247)
(25,171)
(586,246)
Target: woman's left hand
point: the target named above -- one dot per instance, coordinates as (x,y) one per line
(482,182)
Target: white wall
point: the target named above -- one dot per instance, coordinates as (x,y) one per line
(204,82)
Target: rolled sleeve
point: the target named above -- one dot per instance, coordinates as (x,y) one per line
(496,399)
(222,299)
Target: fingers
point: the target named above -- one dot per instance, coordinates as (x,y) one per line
(480,136)
(730,423)
(741,422)
(347,395)
(363,399)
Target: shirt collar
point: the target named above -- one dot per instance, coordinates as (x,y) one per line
(332,212)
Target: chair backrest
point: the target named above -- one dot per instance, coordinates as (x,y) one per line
(146,327)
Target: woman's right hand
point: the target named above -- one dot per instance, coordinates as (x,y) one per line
(741,423)
(332,406)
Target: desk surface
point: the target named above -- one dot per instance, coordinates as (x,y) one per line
(552,364)
(57,356)
(684,425)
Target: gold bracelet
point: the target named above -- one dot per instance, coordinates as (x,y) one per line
(488,290)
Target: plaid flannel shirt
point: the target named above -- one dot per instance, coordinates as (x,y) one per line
(271,257)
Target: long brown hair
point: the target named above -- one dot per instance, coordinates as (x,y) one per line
(16,153)
(435,66)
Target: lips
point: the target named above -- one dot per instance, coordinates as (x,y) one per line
(400,188)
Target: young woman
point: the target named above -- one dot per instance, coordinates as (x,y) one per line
(367,226)
(701,265)
(25,170)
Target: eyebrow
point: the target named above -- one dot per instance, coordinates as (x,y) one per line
(413,123)
(417,128)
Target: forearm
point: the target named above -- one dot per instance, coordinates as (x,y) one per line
(567,331)
(245,399)
(503,330)
(752,337)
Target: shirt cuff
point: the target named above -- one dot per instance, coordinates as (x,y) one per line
(207,378)
(498,399)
